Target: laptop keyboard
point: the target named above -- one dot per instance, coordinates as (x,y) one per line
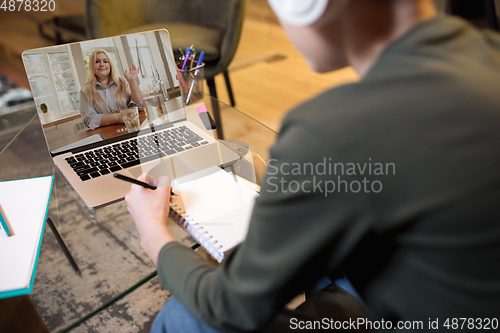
(126,154)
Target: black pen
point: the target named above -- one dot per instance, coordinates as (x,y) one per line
(137,182)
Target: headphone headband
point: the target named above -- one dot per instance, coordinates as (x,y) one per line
(299,12)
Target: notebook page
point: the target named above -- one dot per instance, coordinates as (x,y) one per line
(24,203)
(209,194)
(230,229)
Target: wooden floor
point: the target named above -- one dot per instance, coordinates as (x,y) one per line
(268,74)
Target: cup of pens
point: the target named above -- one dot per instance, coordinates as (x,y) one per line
(191,82)
(191,76)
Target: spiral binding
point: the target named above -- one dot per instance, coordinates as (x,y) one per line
(209,244)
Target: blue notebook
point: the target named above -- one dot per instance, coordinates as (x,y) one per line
(24,205)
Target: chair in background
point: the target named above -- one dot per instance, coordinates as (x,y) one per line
(212,26)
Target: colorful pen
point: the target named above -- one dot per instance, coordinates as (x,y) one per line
(186,59)
(200,59)
(3,221)
(181,78)
(193,55)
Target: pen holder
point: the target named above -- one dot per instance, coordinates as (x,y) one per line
(191,83)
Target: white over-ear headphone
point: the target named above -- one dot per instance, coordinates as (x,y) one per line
(299,12)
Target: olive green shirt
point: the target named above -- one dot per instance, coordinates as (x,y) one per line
(413,151)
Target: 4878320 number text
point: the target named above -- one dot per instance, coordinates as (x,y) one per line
(471,324)
(28,5)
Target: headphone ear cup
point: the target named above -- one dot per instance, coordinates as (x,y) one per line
(299,12)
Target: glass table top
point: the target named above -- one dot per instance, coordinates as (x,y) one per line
(115,271)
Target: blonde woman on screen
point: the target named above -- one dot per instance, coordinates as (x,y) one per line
(105,93)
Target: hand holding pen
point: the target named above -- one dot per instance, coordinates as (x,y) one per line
(150,211)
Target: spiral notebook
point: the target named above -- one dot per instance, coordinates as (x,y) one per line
(214,207)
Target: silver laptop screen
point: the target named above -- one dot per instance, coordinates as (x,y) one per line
(72,103)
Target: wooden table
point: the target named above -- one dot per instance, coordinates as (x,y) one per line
(106,132)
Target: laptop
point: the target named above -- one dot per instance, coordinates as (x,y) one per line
(166,143)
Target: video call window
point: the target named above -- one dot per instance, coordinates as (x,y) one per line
(57,75)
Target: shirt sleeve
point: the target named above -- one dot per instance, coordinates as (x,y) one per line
(132,103)
(91,118)
(298,233)
(128,95)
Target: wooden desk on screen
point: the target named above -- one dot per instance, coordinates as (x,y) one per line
(106,132)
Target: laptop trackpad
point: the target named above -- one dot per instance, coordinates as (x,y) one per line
(172,167)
